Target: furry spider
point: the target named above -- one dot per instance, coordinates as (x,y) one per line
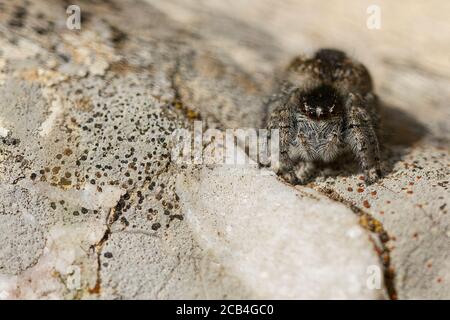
(324,106)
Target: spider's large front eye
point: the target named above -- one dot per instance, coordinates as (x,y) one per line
(321,102)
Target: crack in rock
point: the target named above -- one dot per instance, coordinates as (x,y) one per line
(368,222)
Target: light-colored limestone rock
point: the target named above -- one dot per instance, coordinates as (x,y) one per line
(281,242)
(409,64)
(87,183)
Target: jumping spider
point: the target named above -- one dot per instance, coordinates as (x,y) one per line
(325,106)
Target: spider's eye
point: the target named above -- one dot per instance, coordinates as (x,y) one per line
(321,102)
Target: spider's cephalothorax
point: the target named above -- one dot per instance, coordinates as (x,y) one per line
(320,103)
(324,106)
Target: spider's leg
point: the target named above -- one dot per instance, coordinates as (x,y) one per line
(360,135)
(305,171)
(285,165)
(281,120)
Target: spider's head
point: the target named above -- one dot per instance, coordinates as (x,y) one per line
(320,103)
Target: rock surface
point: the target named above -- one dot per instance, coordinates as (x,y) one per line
(277,239)
(91,205)
(408,61)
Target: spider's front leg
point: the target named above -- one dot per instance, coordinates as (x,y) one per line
(305,171)
(360,135)
(281,120)
(286,168)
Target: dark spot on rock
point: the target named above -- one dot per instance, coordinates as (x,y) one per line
(124,221)
(366,204)
(384,237)
(176,216)
(55,170)
(108,255)
(65,59)
(41,30)
(16,23)
(156,226)
(65,182)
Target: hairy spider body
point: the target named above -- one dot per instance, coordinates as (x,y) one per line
(324,107)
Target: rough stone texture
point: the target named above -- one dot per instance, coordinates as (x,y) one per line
(277,240)
(85,159)
(86,178)
(409,65)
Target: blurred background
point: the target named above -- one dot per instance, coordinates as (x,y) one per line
(407,52)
